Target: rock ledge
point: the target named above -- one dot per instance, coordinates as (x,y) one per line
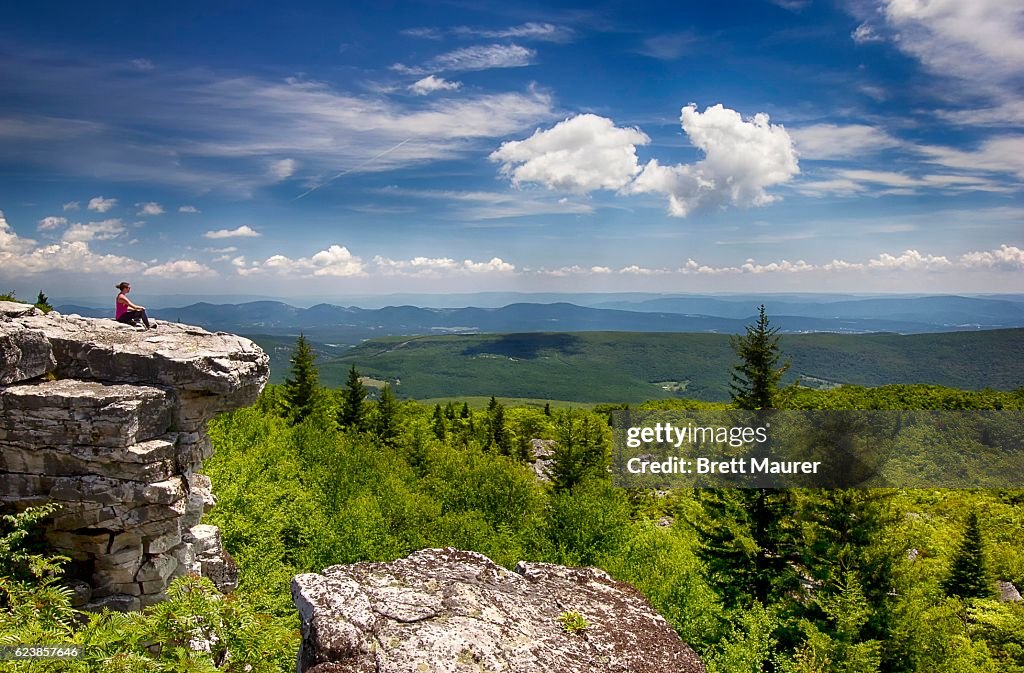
(109,421)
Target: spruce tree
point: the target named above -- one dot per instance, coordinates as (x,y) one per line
(352,413)
(498,435)
(386,422)
(968,577)
(301,389)
(437,422)
(579,449)
(749,536)
(755,380)
(43,303)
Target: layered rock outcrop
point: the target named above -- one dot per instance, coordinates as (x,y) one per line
(109,421)
(445,610)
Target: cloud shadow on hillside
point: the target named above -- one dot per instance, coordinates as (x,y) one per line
(527,346)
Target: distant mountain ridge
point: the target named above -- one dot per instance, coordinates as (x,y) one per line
(350,324)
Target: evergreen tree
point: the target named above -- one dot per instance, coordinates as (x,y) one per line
(386,421)
(749,536)
(844,534)
(352,413)
(43,303)
(749,543)
(300,391)
(755,380)
(968,577)
(437,422)
(498,435)
(580,449)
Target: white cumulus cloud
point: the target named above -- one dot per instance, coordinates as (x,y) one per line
(20,256)
(581,154)
(188,209)
(90,231)
(150,208)
(430,84)
(101,205)
(909,260)
(71,205)
(182,268)
(742,158)
(1004,258)
(244,231)
(436,267)
(336,260)
(51,222)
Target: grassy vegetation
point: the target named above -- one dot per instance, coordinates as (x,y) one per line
(633,367)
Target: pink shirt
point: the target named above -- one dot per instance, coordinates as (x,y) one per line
(119,308)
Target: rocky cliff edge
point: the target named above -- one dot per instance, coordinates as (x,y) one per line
(109,421)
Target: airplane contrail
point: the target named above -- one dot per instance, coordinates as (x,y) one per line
(349,170)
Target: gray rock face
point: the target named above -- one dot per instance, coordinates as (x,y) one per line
(110,422)
(1008,593)
(445,610)
(543,451)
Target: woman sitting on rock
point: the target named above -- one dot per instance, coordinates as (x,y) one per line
(127,312)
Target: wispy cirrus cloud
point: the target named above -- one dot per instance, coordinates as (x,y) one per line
(483,205)
(980,44)
(841,141)
(668,47)
(532,30)
(546,32)
(851,182)
(211,132)
(478,57)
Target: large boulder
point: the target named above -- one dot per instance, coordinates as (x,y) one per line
(445,610)
(109,421)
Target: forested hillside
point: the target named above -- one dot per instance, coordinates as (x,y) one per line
(800,581)
(633,367)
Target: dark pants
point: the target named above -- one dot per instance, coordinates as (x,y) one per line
(133,317)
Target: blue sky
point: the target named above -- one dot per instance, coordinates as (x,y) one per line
(794,145)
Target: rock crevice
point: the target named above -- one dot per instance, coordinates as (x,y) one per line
(110,422)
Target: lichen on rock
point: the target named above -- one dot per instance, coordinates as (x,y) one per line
(446,610)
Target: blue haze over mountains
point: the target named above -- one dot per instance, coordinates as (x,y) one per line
(394,315)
